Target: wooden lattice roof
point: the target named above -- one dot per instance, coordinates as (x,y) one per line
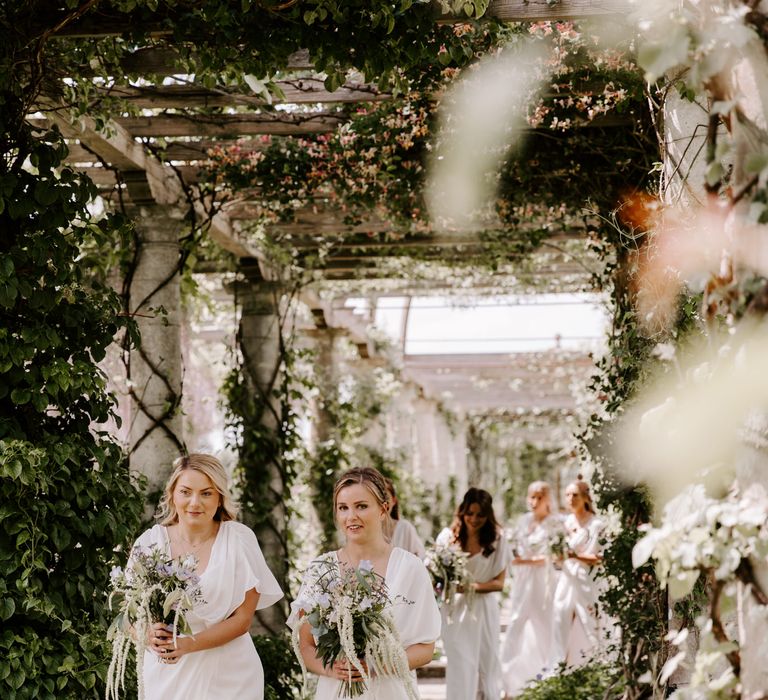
(189,119)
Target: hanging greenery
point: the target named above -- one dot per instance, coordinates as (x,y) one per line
(374,166)
(68,502)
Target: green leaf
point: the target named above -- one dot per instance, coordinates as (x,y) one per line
(7,608)
(16,679)
(21,396)
(45,193)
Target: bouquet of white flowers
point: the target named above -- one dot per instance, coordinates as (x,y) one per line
(558,544)
(153,588)
(447,565)
(348,611)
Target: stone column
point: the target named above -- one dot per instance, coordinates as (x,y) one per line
(324,341)
(260,344)
(156,370)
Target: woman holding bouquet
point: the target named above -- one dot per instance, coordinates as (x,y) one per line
(218,660)
(361,510)
(576,630)
(471,627)
(537,539)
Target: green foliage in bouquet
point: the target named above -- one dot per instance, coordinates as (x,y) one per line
(348,611)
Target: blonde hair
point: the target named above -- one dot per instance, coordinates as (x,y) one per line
(210,467)
(369,477)
(541,487)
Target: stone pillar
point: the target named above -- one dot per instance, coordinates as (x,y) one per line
(260,344)
(324,340)
(155,373)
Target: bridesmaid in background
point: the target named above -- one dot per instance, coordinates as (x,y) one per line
(471,632)
(576,630)
(404,534)
(526,646)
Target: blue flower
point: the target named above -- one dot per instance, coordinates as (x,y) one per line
(325,600)
(365,603)
(116,573)
(365,565)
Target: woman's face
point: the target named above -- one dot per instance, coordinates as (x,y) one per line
(195,498)
(474,518)
(574,499)
(538,502)
(358,514)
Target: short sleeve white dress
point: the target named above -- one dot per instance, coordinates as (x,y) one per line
(526,645)
(232,671)
(417,622)
(472,627)
(576,631)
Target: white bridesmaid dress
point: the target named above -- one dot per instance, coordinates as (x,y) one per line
(471,630)
(417,621)
(526,645)
(576,632)
(406,537)
(232,671)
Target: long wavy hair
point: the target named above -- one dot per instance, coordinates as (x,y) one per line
(214,470)
(489,532)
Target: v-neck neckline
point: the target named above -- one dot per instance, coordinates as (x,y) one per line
(202,573)
(386,569)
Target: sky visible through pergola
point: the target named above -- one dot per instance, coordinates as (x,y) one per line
(503,324)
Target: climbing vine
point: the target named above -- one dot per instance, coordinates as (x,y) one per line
(374,165)
(68,501)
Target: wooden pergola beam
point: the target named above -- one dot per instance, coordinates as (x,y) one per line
(166,60)
(539,10)
(179,151)
(146,178)
(296,91)
(232,125)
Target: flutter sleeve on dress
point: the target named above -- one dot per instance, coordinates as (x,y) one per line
(152,538)
(445,537)
(595,529)
(418,617)
(308,592)
(500,555)
(251,570)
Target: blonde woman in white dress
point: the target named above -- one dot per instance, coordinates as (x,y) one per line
(404,534)
(219,659)
(576,631)
(527,643)
(471,628)
(361,509)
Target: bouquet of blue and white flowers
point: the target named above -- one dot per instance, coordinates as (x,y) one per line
(349,613)
(447,566)
(153,588)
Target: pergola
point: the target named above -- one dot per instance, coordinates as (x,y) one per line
(149,166)
(147,160)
